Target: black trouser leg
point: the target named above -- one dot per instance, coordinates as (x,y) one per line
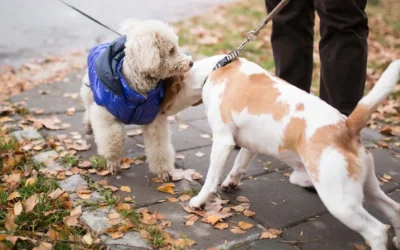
(343,52)
(292,41)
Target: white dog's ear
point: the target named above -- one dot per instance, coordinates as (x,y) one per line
(150,56)
(128,25)
(172,86)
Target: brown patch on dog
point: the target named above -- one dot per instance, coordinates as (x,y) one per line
(300,107)
(339,138)
(358,118)
(336,136)
(172,86)
(255,92)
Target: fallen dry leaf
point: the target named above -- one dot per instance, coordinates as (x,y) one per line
(245,225)
(44,246)
(70,111)
(103,172)
(125,189)
(180,157)
(359,247)
(221,225)
(55,194)
(189,223)
(199,154)
(248,213)
(77,211)
(145,235)
(134,132)
(147,218)
(10,221)
(13,195)
(114,219)
(87,239)
(167,188)
(237,230)
(172,199)
(212,219)
(270,234)
(117,235)
(179,174)
(18,208)
(157,180)
(84,194)
(242,199)
(85,164)
(123,206)
(184,197)
(31,202)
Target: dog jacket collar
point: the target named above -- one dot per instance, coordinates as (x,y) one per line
(111,91)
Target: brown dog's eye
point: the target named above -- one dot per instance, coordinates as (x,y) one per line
(172,51)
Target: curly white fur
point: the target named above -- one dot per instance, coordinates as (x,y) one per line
(151,54)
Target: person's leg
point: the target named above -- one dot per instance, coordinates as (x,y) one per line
(343,52)
(292,41)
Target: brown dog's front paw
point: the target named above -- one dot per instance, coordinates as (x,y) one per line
(113,167)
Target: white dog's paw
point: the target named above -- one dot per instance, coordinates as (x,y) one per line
(113,167)
(301,178)
(88,129)
(196,203)
(162,170)
(164,176)
(229,185)
(396,243)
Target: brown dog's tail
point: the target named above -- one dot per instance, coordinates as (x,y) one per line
(369,103)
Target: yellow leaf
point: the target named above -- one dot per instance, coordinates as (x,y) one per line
(117,235)
(31,181)
(157,180)
(221,225)
(125,189)
(31,202)
(55,194)
(172,199)
(87,239)
(123,206)
(13,195)
(245,225)
(167,188)
(18,208)
(184,197)
(189,223)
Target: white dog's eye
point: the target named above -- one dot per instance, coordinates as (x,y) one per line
(172,51)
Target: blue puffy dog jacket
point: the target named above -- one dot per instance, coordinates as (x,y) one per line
(111,91)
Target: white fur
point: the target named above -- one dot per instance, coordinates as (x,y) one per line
(341,193)
(151,53)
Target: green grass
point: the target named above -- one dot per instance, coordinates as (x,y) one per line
(70,161)
(157,237)
(106,194)
(98,162)
(192,191)
(7,145)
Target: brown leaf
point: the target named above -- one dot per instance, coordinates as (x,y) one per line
(126,163)
(117,235)
(71,221)
(147,218)
(270,234)
(70,111)
(249,213)
(30,203)
(103,172)
(179,174)
(18,208)
(157,180)
(10,221)
(55,194)
(242,199)
(123,206)
(31,181)
(145,235)
(77,211)
(189,223)
(359,247)
(114,219)
(237,230)
(245,225)
(221,225)
(84,194)
(238,208)
(184,197)
(386,130)
(172,199)
(85,164)
(44,246)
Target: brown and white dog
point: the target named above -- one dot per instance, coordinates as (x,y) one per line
(248,106)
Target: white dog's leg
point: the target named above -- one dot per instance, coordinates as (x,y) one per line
(158,146)
(109,136)
(87,99)
(221,149)
(388,206)
(343,196)
(240,166)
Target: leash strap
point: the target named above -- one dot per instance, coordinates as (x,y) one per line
(91,18)
(251,36)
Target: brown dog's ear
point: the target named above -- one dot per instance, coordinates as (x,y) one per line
(172,86)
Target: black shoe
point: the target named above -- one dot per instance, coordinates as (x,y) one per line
(237,147)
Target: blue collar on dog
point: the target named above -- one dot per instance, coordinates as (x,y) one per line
(111,90)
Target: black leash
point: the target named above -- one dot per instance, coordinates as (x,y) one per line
(91,18)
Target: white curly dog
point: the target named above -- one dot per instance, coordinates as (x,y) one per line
(151,53)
